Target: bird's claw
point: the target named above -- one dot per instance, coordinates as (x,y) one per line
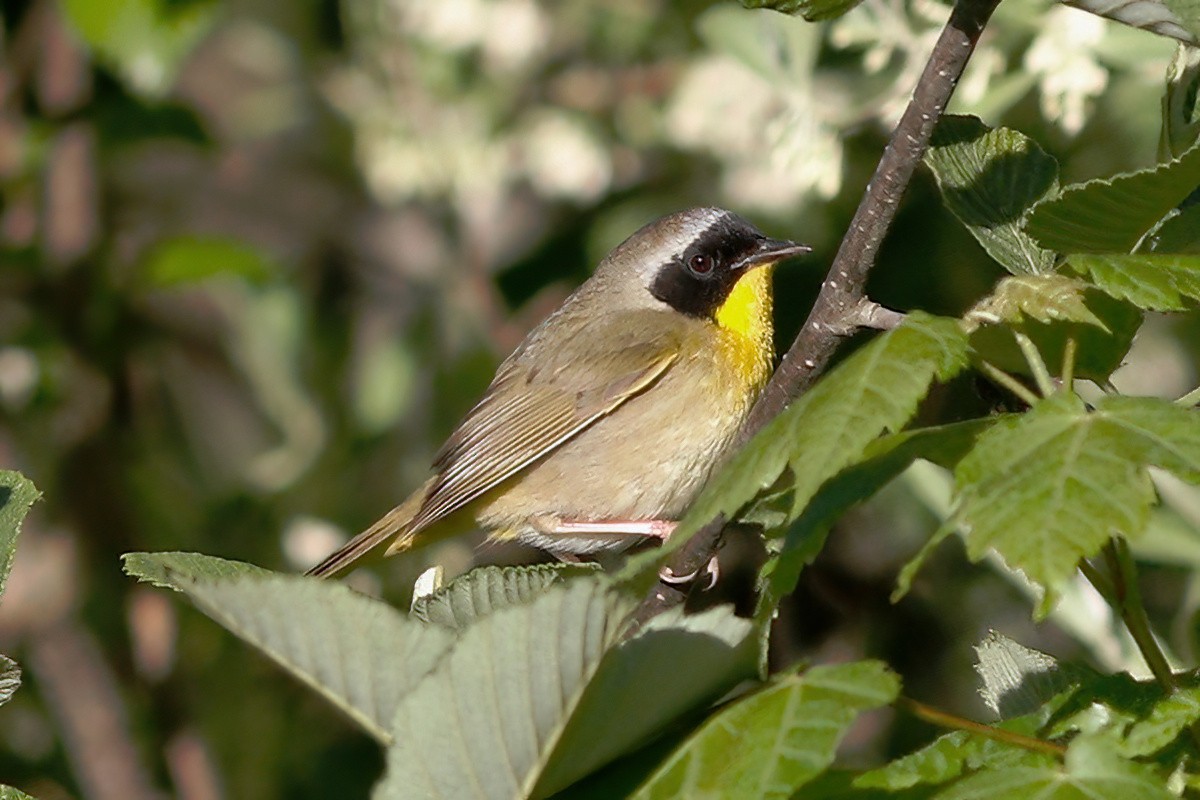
(712,571)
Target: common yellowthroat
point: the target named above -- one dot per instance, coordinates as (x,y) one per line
(605,423)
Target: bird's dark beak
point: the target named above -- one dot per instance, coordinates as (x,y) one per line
(768,251)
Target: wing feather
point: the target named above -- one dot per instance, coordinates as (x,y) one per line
(529,410)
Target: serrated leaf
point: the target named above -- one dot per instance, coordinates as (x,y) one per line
(17,494)
(486,589)
(883,460)
(1091,771)
(1052,486)
(1099,349)
(1110,215)
(989,180)
(360,654)
(1176,19)
(874,391)
(949,756)
(774,741)
(811,10)
(168,570)
(1044,298)
(1150,281)
(528,700)
(1181,105)
(10,678)
(1016,679)
(1179,233)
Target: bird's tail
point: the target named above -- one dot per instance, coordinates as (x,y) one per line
(397,522)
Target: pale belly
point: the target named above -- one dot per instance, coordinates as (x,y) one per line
(647,461)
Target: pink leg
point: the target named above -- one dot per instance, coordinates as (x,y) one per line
(651,528)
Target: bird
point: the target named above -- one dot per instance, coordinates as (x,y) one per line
(604,424)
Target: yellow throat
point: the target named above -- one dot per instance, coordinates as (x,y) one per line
(746,316)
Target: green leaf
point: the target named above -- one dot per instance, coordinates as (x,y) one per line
(17,494)
(1150,281)
(10,678)
(1052,486)
(949,756)
(486,589)
(883,460)
(360,654)
(1091,771)
(774,741)
(1100,348)
(1044,298)
(874,391)
(9,793)
(146,41)
(187,259)
(1178,233)
(1177,19)
(536,695)
(989,180)
(1110,215)
(170,570)
(1181,106)
(811,10)
(1016,679)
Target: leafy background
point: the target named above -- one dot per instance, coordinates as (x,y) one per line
(257,258)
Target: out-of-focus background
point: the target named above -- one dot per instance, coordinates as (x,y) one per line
(256,259)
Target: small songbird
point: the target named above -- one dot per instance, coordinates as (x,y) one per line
(604,424)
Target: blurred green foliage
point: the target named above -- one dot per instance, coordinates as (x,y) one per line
(257,258)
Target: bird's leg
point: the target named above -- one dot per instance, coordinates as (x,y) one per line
(651,528)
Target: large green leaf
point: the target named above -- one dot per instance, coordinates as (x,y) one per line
(1051,486)
(883,460)
(1150,281)
(486,589)
(1091,771)
(873,392)
(1111,215)
(811,10)
(17,494)
(774,741)
(360,654)
(534,696)
(989,180)
(9,793)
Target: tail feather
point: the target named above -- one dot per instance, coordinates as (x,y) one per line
(394,523)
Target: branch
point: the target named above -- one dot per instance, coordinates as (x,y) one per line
(840,308)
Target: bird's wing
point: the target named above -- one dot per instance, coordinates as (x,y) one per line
(539,400)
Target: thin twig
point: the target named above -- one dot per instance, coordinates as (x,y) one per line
(832,317)
(944,719)
(1125,595)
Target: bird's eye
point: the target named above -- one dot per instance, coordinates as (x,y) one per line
(700,264)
